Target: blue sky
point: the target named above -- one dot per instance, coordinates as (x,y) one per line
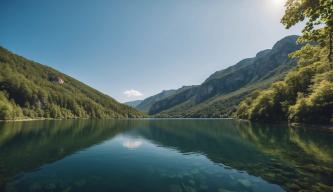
(140,47)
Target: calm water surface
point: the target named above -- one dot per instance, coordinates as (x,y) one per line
(163,155)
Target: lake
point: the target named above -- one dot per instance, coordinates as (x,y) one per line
(163,155)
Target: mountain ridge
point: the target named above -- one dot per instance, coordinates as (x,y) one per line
(230,84)
(133,103)
(145,105)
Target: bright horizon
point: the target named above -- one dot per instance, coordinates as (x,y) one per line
(127,48)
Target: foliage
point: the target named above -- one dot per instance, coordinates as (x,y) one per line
(316,107)
(319,21)
(268,104)
(306,94)
(32,90)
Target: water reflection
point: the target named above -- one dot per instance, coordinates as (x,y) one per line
(293,158)
(132,143)
(166,152)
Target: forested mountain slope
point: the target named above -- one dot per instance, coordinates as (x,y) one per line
(31,90)
(305,94)
(133,103)
(219,95)
(146,104)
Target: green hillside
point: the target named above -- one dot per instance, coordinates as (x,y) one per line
(133,103)
(146,104)
(219,95)
(29,90)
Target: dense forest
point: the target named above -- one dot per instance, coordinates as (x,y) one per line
(306,93)
(29,90)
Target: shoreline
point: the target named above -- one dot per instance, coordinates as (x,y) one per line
(22,120)
(294,125)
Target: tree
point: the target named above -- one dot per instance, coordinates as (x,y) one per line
(306,93)
(319,21)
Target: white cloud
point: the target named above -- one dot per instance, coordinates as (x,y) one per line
(132,93)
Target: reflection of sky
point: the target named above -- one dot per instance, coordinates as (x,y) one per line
(132,143)
(134,158)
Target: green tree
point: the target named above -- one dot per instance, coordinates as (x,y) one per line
(317,107)
(31,90)
(306,93)
(318,15)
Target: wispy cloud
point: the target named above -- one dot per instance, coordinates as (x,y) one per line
(132,93)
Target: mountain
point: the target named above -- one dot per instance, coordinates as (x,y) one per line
(220,93)
(146,104)
(31,90)
(305,95)
(133,103)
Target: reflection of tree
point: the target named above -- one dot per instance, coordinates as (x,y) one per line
(293,158)
(319,152)
(2,177)
(314,144)
(301,154)
(26,146)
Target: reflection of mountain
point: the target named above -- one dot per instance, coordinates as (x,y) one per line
(25,146)
(216,139)
(293,158)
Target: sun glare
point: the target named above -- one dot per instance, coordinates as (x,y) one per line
(278,2)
